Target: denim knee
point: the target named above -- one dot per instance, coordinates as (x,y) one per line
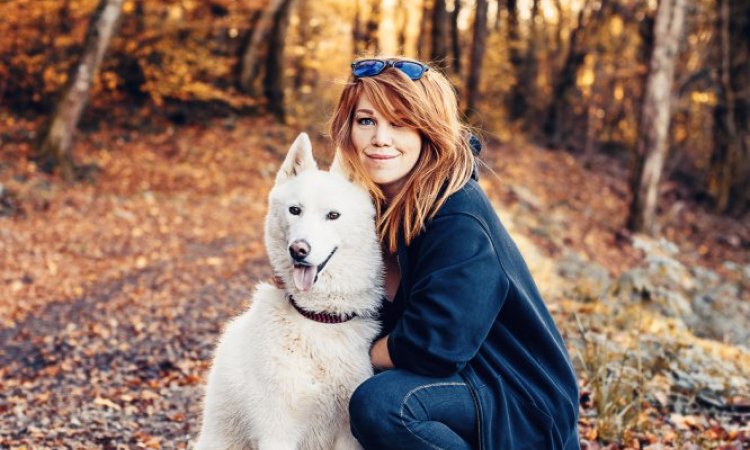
(373,411)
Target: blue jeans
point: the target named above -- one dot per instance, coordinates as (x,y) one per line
(397,409)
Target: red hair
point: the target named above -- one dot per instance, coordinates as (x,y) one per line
(445,163)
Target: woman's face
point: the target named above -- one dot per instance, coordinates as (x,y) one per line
(387,152)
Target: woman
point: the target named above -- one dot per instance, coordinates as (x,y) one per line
(469,355)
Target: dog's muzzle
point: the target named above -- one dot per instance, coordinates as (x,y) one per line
(305,274)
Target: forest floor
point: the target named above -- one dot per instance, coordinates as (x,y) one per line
(114,290)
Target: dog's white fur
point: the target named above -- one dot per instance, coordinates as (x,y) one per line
(280,380)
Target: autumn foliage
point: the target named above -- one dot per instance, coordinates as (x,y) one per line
(164,51)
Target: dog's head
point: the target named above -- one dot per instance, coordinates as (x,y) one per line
(320,226)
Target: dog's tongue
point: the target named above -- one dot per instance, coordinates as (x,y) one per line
(304,277)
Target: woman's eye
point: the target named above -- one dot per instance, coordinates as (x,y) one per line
(333,215)
(295,210)
(366,121)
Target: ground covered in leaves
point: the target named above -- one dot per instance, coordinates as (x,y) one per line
(113,290)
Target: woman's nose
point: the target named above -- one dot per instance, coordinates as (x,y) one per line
(382,136)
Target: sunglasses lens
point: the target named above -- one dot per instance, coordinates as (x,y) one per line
(368,68)
(411,69)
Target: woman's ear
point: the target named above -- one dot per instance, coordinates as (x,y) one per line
(298,159)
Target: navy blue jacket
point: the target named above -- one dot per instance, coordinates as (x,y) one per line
(467,303)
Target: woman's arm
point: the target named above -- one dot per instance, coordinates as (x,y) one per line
(379,355)
(458,289)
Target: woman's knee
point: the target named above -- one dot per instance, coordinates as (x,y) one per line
(359,400)
(375,404)
(390,410)
(366,405)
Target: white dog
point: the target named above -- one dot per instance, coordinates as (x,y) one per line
(284,371)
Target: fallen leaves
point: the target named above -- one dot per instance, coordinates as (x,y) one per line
(107,403)
(112,294)
(120,288)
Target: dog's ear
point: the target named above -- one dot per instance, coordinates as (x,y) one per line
(336,165)
(298,159)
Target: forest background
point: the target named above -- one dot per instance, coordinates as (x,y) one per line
(139,140)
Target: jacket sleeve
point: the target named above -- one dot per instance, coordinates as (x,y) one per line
(459,287)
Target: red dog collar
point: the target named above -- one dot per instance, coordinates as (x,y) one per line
(322,317)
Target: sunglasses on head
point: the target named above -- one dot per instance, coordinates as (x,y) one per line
(372,67)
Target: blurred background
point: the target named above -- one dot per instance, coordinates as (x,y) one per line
(139,140)
(570,74)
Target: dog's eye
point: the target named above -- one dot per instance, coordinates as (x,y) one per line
(333,215)
(295,210)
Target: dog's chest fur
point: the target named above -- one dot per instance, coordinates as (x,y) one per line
(328,354)
(276,359)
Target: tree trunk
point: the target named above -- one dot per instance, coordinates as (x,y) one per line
(526,72)
(424,30)
(652,146)
(477,55)
(305,36)
(456,37)
(512,7)
(64,22)
(56,145)
(371,28)
(402,23)
(741,82)
(646,33)
(251,59)
(273,83)
(514,47)
(728,174)
(514,44)
(138,16)
(499,14)
(357,31)
(439,53)
(559,29)
(566,79)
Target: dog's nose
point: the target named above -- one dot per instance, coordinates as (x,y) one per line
(299,250)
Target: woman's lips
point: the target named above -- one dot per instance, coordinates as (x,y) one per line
(381,157)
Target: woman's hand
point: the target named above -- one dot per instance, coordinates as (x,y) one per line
(379,356)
